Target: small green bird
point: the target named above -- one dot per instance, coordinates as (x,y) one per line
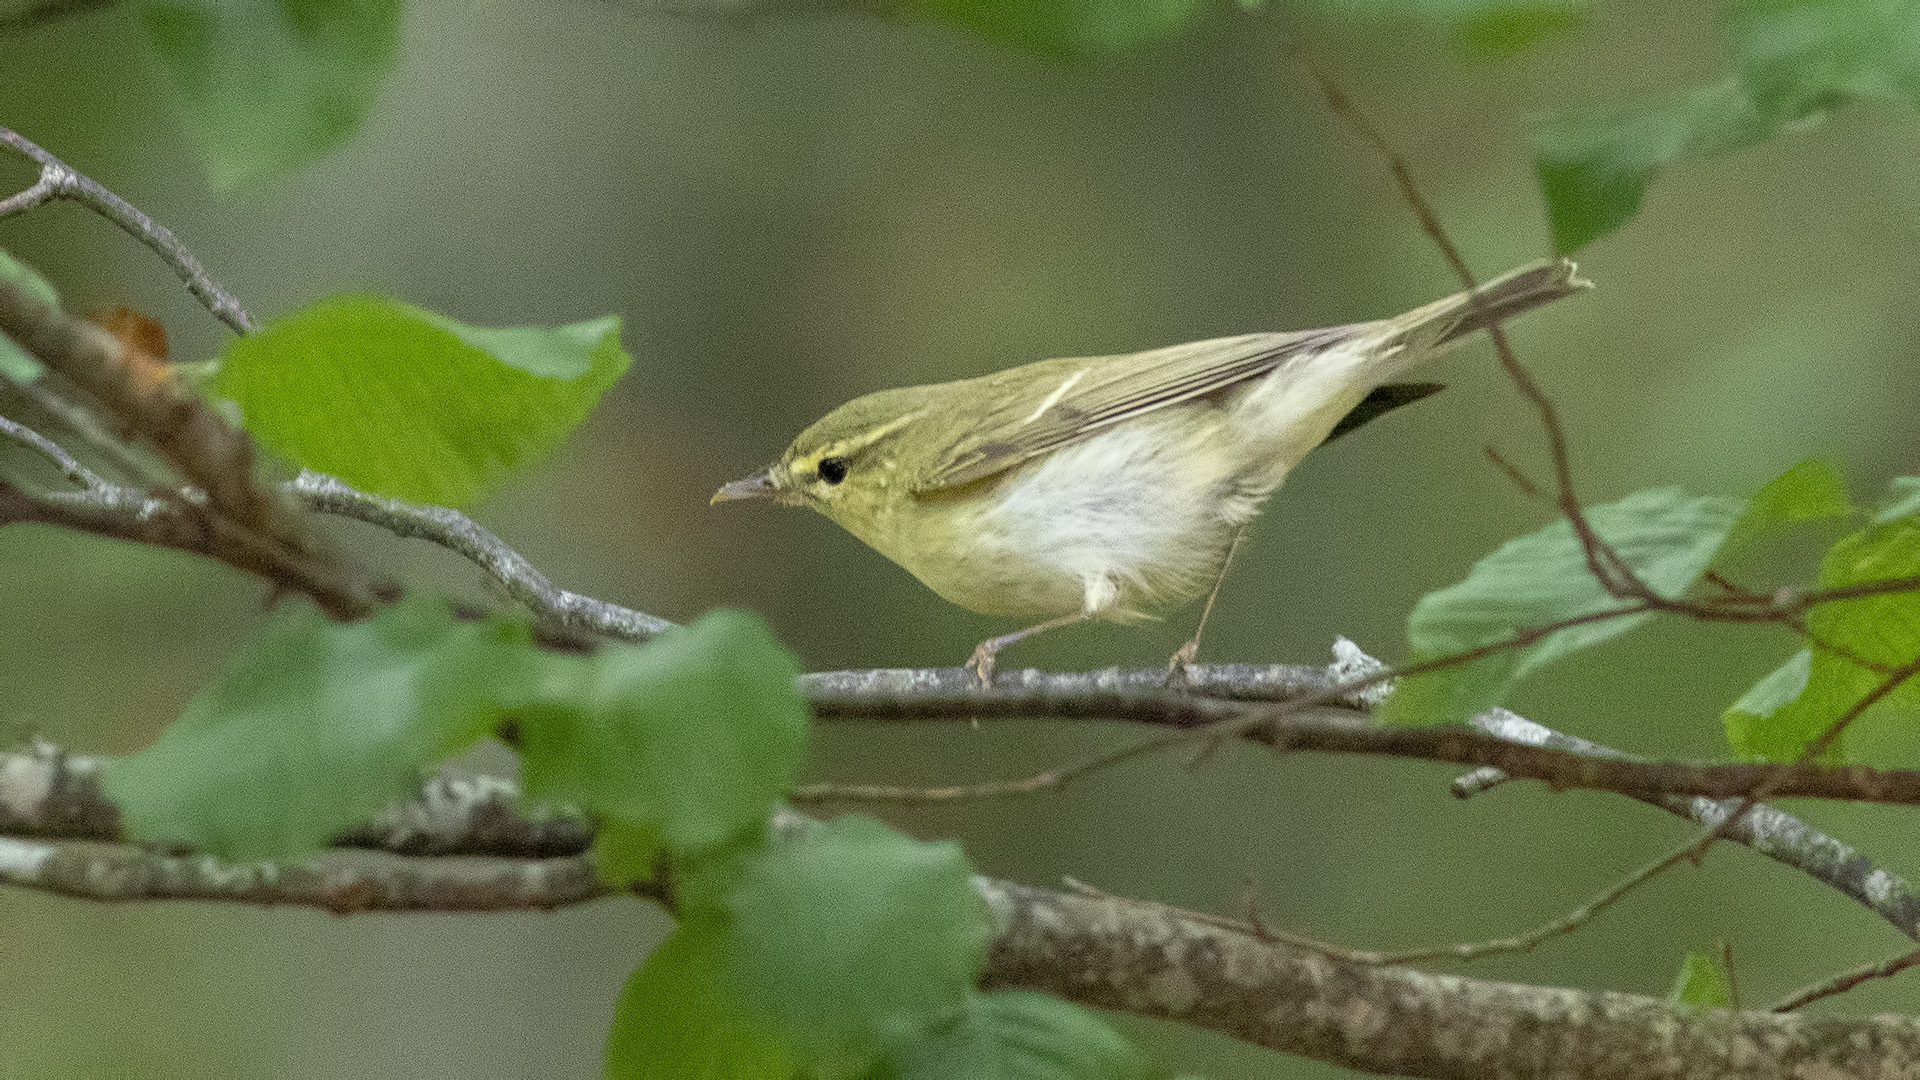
(1111,487)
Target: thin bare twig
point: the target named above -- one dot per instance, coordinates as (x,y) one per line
(457,532)
(1603,560)
(1846,981)
(58,180)
(70,468)
(1766,829)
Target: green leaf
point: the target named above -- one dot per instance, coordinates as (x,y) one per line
(1802,57)
(1810,491)
(1502,29)
(268,85)
(1594,167)
(1903,498)
(1668,537)
(852,937)
(1751,729)
(624,852)
(317,726)
(1480,29)
(1883,630)
(673,1023)
(1018,1035)
(694,734)
(1794,61)
(15,364)
(1702,981)
(1064,27)
(408,403)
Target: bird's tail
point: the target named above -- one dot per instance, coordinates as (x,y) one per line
(1429,329)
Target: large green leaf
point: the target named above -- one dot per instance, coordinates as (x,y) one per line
(690,737)
(15,364)
(852,937)
(1668,537)
(408,403)
(673,1023)
(268,85)
(1017,1035)
(1881,630)
(1064,27)
(316,726)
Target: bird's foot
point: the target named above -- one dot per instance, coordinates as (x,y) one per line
(982,661)
(1177,664)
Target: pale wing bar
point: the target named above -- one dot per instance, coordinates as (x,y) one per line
(1186,372)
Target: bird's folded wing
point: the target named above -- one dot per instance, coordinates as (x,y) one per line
(1068,400)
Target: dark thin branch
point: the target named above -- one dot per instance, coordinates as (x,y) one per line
(1846,981)
(1768,830)
(1286,727)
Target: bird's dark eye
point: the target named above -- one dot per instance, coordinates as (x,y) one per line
(833,469)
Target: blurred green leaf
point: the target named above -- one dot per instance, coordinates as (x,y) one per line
(268,85)
(1794,61)
(1064,27)
(694,734)
(1802,57)
(623,852)
(673,1023)
(15,364)
(1594,167)
(852,937)
(1810,491)
(1702,981)
(409,403)
(1494,29)
(1751,729)
(1480,29)
(1881,630)
(1017,1035)
(1903,498)
(1667,536)
(317,726)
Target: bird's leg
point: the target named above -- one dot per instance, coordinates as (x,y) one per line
(983,653)
(1188,653)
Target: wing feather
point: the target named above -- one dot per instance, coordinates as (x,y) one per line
(1035,414)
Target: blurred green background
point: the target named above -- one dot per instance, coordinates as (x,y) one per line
(789,212)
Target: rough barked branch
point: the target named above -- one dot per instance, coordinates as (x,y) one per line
(1124,955)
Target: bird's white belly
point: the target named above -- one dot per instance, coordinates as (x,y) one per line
(1124,523)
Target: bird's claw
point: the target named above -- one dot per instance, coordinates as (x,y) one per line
(981,663)
(1177,664)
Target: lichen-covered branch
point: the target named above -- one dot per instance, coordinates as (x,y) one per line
(342,883)
(1151,962)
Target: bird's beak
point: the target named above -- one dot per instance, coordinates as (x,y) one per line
(757,486)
